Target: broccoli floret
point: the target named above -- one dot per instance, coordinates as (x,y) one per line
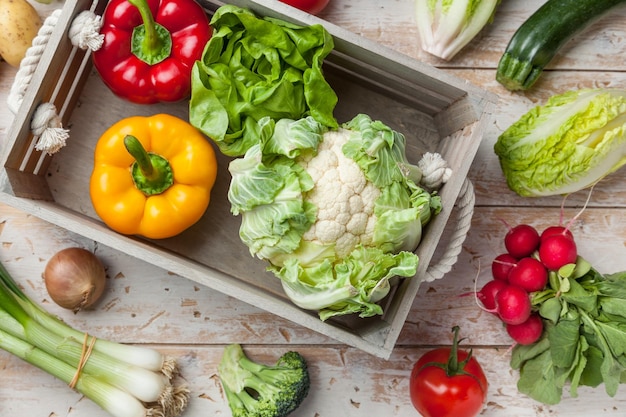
(257,390)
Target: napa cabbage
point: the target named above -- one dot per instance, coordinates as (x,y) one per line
(568,144)
(445,27)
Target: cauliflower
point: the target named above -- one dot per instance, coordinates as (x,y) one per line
(335,212)
(343,196)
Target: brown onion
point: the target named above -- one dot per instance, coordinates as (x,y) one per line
(75,278)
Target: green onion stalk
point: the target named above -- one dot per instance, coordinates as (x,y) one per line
(124,380)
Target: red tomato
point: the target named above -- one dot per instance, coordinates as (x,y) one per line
(448,382)
(309,6)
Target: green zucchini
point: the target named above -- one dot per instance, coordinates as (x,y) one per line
(540,37)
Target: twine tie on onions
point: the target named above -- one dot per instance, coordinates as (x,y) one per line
(86,352)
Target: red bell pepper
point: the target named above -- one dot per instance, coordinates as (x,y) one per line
(150,47)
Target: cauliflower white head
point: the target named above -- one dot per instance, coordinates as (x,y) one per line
(343,196)
(336,213)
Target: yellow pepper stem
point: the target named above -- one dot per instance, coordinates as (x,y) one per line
(152,174)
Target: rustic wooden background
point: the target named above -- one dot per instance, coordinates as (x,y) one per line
(147,305)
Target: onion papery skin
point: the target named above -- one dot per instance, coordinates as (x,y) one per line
(75,278)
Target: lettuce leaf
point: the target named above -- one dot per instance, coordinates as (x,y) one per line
(569,144)
(258,67)
(352,285)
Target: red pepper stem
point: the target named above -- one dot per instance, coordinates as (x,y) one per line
(150,38)
(151,173)
(151,42)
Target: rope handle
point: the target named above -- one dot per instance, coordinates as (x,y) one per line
(46,124)
(465,205)
(435,172)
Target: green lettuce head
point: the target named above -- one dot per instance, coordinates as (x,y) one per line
(253,68)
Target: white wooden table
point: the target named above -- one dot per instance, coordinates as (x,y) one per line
(147,305)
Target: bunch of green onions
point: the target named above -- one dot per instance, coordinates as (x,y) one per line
(124,380)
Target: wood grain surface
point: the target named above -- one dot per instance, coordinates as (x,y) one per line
(149,306)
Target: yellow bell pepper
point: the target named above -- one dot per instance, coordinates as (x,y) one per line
(152,176)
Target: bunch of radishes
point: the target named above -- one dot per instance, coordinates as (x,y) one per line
(522,270)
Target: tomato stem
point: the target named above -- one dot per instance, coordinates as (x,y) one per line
(454,366)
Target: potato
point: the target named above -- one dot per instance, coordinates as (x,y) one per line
(19,24)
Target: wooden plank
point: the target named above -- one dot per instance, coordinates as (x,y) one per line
(209,252)
(392,23)
(146,304)
(344,383)
(486,173)
(149,305)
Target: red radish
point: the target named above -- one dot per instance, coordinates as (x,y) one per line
(529,274)
(528,332)
(513,304)
(487,294)
(521,241)
(555,230)
(560,229)
(501,266)
(557,250)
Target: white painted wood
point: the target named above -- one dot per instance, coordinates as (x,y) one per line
(144,304)
(438,112)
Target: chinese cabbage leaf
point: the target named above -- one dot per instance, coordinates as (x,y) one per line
(569,144)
